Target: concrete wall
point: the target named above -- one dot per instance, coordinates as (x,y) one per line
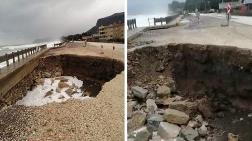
(14,74)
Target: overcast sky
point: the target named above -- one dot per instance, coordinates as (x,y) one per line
(139,7)
(23,21)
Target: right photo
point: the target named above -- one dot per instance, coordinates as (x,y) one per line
(189,70)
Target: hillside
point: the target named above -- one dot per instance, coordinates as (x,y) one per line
(115,18)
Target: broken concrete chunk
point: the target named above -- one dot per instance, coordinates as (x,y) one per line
(185,106)
(175,116)
(189,133)
(193,124)
(167,130)
(130,106)
(138,119)
(163,91)
(143,135)
(202,130)
(151,106)
(153,122)
(139,92)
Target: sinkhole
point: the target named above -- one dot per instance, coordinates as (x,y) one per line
(64,77)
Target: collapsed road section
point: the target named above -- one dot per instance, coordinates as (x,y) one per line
(189,92)
(66,96)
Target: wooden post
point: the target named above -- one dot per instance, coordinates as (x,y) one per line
(18,53)
(7,59)
(13,57)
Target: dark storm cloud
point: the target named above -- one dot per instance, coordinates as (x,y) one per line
(137,7)
(22,21)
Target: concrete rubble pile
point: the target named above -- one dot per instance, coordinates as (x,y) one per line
(161,115)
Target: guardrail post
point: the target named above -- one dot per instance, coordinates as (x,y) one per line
(13,57)
(22,54)
(7,59)
(18,53)
(25,51)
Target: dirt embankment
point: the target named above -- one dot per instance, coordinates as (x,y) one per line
(198,70)
(207,80)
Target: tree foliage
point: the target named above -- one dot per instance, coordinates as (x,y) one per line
(176,6)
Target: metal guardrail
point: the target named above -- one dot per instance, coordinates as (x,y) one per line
(20,54)
(58,44)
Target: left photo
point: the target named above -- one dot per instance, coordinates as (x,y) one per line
(62,70)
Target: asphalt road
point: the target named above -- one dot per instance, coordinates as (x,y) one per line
(210,30)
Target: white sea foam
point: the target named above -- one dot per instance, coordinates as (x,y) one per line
(37,97)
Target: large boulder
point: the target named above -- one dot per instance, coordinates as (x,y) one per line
(139,92)
(143,134)
(138,119)
(167,130)
(163,91)
(175,116)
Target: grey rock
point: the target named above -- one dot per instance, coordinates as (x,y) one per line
(167,130)
(199,118)
(202,131)
(138,119)
(189,133)
(175,116)
(156,137)
(185,106)
(139,92)
(151,95)
(151,106)
(193,124)
(163,91)
(130,106)
(143,135)
(153,122)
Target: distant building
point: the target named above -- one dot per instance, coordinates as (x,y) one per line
(234,4)
(113,32)
(248,4)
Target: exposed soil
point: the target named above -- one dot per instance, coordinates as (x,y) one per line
(223,74)
(93,71)
(99,118)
